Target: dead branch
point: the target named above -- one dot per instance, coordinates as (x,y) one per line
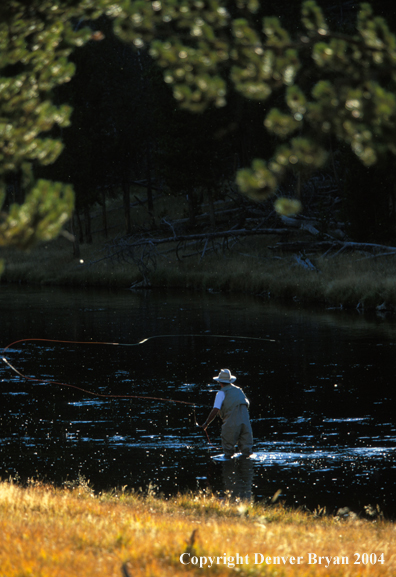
(171,225)
(209,235)
(332,245)
(304,262)
(378,255)
(143,251)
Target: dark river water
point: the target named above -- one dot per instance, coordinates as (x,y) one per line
(321,386)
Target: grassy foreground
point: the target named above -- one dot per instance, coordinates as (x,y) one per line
(55,532)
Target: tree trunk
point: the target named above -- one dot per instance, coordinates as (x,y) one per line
(87,217)
(191,207)
(80,229)
(76,244)
(150,202)
(104,213)
(298,185)
(126,191)
(212,216)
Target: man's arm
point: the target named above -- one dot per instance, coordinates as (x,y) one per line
(210,418)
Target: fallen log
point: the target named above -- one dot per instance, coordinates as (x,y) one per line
(208,235)
(303,245)
(366,247)
(124,247)
(304,262)
(333,245)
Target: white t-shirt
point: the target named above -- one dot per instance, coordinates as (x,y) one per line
(220,396)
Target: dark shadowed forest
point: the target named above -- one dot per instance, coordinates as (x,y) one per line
(150,172)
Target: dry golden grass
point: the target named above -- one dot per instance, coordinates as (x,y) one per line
(56,532)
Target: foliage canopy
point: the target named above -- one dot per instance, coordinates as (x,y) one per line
(36,39)
(334,85)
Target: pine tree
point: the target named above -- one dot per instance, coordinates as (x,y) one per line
(334,84)
(36,39)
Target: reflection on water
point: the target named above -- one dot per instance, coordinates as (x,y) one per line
(238,478)
(321,400)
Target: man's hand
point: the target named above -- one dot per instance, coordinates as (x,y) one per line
(212,415)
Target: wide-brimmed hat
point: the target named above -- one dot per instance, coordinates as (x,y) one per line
(225,376)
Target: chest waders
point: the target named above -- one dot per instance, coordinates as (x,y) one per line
(236,428)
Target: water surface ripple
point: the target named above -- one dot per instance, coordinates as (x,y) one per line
(321,395)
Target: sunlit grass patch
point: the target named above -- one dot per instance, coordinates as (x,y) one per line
(47,531)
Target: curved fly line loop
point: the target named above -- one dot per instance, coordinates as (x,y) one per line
(109,395)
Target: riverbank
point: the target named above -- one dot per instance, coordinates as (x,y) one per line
(348,281)
(352,280)
(70,531)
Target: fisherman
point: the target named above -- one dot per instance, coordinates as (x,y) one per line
(232,406)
